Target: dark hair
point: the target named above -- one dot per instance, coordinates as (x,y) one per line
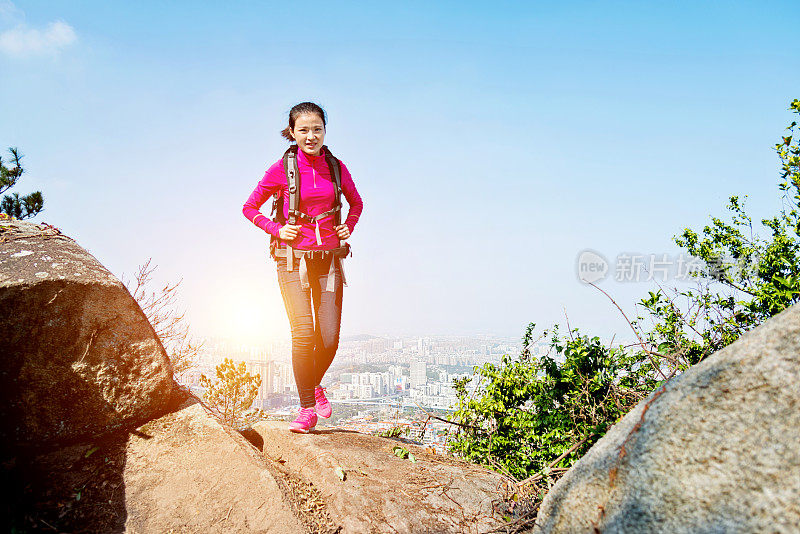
(299,109)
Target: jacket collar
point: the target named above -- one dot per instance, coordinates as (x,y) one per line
(311,159)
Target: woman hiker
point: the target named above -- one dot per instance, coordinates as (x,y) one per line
(307,243)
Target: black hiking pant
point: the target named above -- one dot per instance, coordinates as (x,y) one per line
(315,316)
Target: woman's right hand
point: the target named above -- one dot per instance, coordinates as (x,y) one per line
(289,231)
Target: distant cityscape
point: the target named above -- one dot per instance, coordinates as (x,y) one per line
(374,383)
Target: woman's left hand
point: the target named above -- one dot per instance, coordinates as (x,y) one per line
(342,231)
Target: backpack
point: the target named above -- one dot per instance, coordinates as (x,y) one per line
(279,248)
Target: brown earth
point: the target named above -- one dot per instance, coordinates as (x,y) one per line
(187,472)
(382,492)
(183,472)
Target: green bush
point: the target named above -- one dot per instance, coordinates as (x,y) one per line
(526,412)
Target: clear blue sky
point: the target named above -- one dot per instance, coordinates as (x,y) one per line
(491,143)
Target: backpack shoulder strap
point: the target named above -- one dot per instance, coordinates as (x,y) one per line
(292,181)
(293,184)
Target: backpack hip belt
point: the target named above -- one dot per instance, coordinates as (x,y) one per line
(336,258)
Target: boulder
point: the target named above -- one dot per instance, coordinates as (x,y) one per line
(382,492)
(717,449)
(79,358)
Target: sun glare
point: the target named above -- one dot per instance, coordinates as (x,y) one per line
(251,321)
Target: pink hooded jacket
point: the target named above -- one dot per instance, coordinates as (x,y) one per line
(316,196)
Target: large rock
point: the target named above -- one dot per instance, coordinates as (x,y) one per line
(717,450)
(79,358)
(382,492)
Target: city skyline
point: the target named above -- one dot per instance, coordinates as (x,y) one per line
(368,372)
(371,374)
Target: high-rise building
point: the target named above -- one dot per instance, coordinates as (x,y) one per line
(419,372)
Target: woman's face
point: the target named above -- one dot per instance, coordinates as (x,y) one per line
(309,133)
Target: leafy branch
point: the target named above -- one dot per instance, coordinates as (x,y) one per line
(14,205)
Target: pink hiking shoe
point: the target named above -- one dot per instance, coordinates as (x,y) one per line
(323,407)
(305,422)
